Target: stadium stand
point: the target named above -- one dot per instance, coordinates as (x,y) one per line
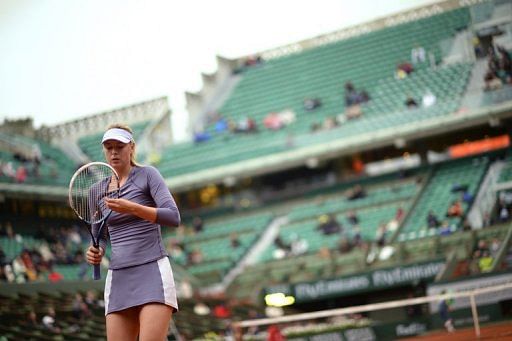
(336,221)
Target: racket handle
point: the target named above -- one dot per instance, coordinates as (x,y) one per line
(96,275)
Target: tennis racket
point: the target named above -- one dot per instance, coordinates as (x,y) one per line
(88,188)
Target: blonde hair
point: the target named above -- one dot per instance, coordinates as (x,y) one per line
(133,161)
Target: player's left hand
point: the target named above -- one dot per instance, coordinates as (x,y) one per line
(121,205)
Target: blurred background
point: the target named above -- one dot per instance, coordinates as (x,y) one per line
(323,155)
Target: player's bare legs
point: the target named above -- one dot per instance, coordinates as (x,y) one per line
(123,325)
(154,321)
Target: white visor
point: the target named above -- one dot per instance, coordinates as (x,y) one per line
(117,134)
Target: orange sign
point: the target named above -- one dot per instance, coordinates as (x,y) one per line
(480,146)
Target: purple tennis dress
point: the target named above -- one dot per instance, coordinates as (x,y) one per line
(140,271)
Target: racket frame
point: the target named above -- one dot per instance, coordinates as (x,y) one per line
(95,239)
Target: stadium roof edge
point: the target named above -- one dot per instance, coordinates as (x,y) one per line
(402,17)
(150,109)
(346,146)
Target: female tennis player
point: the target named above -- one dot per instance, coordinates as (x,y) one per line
(140,294)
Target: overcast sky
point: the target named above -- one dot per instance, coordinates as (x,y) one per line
(65,59)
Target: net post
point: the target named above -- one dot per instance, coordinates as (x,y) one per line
(475,315)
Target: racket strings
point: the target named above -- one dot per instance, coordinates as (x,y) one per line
(89,189)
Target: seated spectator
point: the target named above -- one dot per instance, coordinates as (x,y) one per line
(246,125)
(273,121)
(429,99)
(467,197)
(364,96)
(455,210)
(311,104)
(495,247)
(329,123)
(380,236)
(481,247)
(459,188)
(315,126)
(399,214)
(485,262)
(411,103)
(298,245)
(418,54)
(201,136)
(253,61)
(221,125)
(357,239)
(197,224)
(403,70)
(54,276)
(49,321)
(21,174)
(282,248)
(195,257)
(492,81)
(445,229)
(352,97)
(287,116)
(344,245)
(432,220)
(353,111)
(328,224)
(234,240)
(354,193)
(352,217)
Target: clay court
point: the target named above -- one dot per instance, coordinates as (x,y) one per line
(500,331)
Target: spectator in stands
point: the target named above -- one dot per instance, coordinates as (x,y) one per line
(328,224)
(380,236)
(80,308)
(411,103)
(418,54)
(221,125)
(399,214)
(357,239)
(92,301)
(234,241)
(201,136)
(311,104)
(432,220)
(351,95)
(492,81)
(53,275)
(495,247)
(49,321)
(474,267)
(485,262)
(272,121)
(445,229)
(455,210)
(503,213)
(403,70)
(356,192)
(245,125)
(329,123)
(31,321)
(280,244)
(197,224)
(344,245)
(253,60)
(298,245)
(428,99)
(352,218)
(481,247)
(195,257)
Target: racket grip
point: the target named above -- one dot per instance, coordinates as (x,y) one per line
(96,275)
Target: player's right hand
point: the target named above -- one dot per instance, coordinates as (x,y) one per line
(94,255)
